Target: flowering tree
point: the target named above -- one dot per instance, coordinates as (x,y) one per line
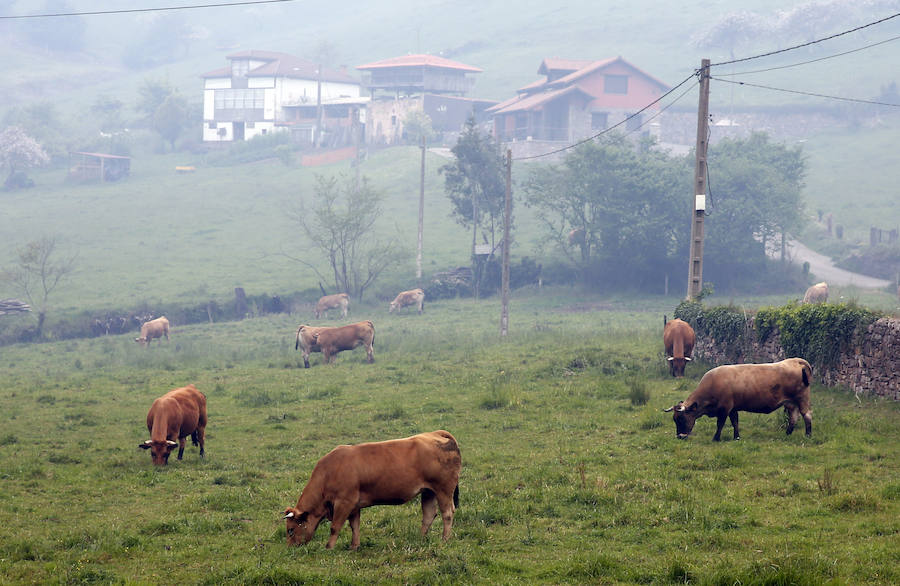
(18,152)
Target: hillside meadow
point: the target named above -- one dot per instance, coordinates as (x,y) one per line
(571,472)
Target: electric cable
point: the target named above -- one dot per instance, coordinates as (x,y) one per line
(132,10)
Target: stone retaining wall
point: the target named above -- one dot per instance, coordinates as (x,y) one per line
(871,367)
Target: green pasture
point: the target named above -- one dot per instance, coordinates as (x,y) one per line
(571,472)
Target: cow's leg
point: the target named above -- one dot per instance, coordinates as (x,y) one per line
(201,438)
(793,412)
(181,447)
(720,423)
(370,353)
(354,530)
(734,423)
(341,512)
(429,510)
(445,501)
(806,411)
(306,359)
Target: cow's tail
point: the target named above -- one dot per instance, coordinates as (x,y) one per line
(665,319)
(456,497)
(806,370)
(297,342)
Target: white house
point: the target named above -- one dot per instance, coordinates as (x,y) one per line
(248,97)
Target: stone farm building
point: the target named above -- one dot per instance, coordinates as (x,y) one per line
(260,92)
(426,83)
(574,100)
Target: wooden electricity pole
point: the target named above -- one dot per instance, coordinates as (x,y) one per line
(421,214)
(507,220)
(698,205)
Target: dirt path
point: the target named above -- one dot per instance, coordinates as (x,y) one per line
(824,270)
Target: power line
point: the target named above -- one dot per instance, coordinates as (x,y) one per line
(614,126)
(834,36)
(802,93)
(132,10)
(814,60)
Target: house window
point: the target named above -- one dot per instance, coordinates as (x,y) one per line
(634,122)
(599,120)
(615,84)
(240,99)
(240,67)
(211,125)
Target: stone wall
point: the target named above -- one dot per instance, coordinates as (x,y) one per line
(871,367)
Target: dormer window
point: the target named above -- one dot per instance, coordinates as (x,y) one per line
(240,67)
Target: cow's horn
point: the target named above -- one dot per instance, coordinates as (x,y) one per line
(147,442)
(680,407)
(670,358)
(289,515)
(171,443)
(688,358)
(669,409)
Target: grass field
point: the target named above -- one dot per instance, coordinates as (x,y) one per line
(567,477)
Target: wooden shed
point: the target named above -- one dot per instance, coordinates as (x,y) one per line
(98,167)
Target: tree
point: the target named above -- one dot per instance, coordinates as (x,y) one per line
(625,201)
(341,225)
(165,110)
(19,152)
(476,186)
(755,199)
(38,272)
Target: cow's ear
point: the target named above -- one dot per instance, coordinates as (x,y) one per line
(692,407)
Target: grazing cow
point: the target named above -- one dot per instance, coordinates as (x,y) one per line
(338,301)
(329,341)
(756,388)
(817,293)
(412,297)
(351,478)
(576,236)
(174,416)
(678,339)
(155,328)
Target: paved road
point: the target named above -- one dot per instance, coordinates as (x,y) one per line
(824,270)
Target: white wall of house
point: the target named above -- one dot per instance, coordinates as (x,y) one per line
(277,91)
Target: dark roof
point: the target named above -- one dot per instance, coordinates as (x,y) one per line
(420,60)
(99,155)
(281,65)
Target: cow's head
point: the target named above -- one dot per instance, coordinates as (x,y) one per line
(301,525)
(141,341)
(684,416)
(159,451)
(392,307)
(676,366)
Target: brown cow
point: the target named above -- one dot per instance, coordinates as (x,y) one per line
(577,236)
(678,339)
(351,478)
(307,340)
(405,298)
(756,388)
(329,341)
(817,293)
(338,301)
(155,328)
(174,416)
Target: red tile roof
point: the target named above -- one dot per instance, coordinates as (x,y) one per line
(534,101)
(421,60)
(596,66)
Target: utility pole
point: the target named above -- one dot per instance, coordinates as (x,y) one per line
(318,139)
(698,207)
(421,214)
(507,220)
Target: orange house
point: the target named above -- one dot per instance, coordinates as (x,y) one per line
(577,99)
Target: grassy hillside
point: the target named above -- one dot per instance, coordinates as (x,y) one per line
(567,476)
